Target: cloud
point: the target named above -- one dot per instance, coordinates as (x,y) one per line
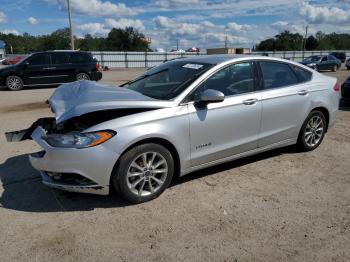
(2,17)
(10,31)
(284,25)
(175,3)
(124,22)
(95,7)
(324,14)
(32,20)
(171,26)
(238,28)
(208,24)
(204,34)
(93,29)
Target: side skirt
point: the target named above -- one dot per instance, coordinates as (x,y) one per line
(284,143)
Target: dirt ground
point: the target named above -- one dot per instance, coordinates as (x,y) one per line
(281,205)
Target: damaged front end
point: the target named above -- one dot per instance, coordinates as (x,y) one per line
(64,167)
(73,159)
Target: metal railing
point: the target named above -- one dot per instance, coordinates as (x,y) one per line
(150,59)
(298,56)
(138,59)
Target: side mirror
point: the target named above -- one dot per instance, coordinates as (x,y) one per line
(209,96)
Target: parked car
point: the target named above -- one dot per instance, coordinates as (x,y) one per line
(339,55)
(12,60)
(322,62)
(193,49)
(181,116)
(345,89)
(347,63)
(50,68)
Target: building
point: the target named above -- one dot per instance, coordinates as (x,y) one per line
(228,50)
(2,49)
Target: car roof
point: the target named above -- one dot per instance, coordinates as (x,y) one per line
(218,59)
(62,51)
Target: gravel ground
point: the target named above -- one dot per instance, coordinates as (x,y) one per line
(277,206)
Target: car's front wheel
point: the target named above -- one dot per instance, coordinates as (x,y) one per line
(334,68)
(82,76)
(143,173)
(313,130)
(14,83)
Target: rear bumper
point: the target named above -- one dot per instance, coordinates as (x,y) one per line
(96,76)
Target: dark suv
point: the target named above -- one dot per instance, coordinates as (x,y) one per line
(50,68)
(339,55)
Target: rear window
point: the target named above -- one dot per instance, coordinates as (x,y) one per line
(81,58)
(60,58)
(277,75)
(303,75)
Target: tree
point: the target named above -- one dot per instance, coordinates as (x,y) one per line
(311,43)
(287,41)
(127,39)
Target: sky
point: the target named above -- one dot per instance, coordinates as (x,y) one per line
(200,23)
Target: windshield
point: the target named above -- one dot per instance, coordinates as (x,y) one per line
(313,58)
(168,80)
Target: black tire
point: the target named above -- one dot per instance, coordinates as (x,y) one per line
(303,142)
(82,76)
(348,67)
(14,83)
(120,180)
(334,68)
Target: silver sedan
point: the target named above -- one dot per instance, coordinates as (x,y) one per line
(184,115)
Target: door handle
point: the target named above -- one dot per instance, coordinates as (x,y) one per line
(251,101)
(48,68)
(303,92)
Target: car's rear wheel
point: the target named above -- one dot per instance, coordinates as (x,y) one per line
(82,76)
(334,68)
(14,83)
(348,67)
(143,173)
(312,131)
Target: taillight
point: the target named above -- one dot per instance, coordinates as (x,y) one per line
(97,66)
(336,87)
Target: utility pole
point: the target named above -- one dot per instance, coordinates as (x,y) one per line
(177,44)
(70,26)
(304,40)
(226,38)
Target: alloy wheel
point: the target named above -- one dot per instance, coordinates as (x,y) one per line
(83,76)
(147,173)
(314,131)
(14,83)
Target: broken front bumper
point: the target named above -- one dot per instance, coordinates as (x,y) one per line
(85,170)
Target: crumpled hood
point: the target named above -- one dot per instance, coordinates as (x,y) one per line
(81,97)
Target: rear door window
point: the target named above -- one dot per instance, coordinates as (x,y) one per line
(81,58)
(60,58)
(276,75)
(303,75)
(40,59)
